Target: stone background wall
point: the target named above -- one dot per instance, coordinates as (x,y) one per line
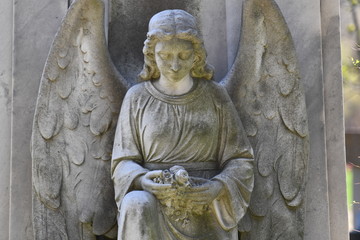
(28,27)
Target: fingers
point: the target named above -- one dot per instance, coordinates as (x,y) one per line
(197,196)
(153,187)
(153,174)
(204,194)
(148,183)
(201,188)
(162,195)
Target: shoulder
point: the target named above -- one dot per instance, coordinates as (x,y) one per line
(136,93)
(136,90)
(216,90)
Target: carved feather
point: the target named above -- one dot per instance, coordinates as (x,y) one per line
(264,84)
(79,98)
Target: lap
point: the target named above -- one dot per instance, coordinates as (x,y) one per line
(138,201)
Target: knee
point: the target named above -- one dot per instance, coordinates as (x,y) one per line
(138,200)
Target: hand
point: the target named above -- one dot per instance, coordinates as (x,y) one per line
(205,193)
(161,191)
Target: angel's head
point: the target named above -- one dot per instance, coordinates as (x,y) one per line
(174,24)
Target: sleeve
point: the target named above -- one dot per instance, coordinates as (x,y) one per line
(123,176)
(234,143)
(238,179)
(126,142)
(236,160)
(126,156)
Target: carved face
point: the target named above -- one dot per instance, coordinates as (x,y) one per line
(174,58)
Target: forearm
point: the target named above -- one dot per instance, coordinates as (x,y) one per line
(124,177)
(137,182)
(240,169)
(238,179)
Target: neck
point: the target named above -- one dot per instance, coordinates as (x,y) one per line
(174,87)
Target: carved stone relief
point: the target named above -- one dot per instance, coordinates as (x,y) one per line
(239,147)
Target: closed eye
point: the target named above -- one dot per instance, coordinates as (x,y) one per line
(185,55)
(164,56)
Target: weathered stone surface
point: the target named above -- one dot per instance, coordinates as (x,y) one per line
(269,100)
(35,23)
(212,18)
(318,44)
(306,32)
(266,104)
(203,132)
(213,25)
(127,30)
(304,19)
(306,29)
(75,118)
(334,119)
(5,113)
(233,21)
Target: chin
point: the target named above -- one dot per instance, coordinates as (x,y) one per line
(174,79)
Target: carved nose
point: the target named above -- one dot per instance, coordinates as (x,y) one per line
(175,66)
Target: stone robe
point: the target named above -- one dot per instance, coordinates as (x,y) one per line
(199,130)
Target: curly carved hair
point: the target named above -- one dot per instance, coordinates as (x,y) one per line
(167,25)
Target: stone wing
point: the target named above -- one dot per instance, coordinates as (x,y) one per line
(264,84)
(75,119)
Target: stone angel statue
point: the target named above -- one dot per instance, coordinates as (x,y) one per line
(191,158)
